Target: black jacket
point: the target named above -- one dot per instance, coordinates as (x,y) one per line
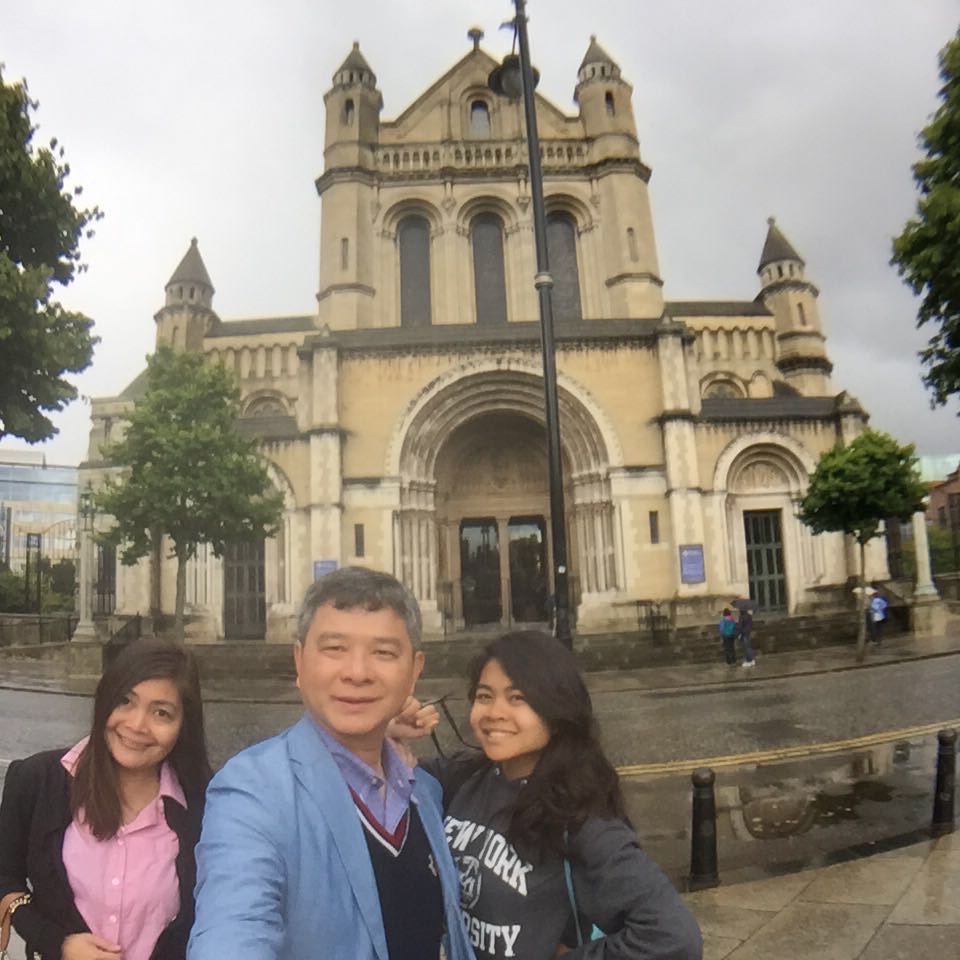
(34,816)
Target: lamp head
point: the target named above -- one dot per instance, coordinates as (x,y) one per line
(507,80)
(87,508)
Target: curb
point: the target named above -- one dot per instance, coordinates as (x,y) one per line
(703,685)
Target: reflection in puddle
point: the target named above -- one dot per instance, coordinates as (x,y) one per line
(782,800)
(794,813)
(785,815)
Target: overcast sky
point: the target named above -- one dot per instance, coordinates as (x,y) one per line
(205,118)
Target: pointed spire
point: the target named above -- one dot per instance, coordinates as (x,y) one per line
(596,54)
(355,69)
(191,268)
(597,63)
(776,247)
(190,282)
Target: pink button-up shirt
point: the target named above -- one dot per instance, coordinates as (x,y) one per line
(126,888)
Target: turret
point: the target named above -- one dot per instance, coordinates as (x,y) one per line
(629,255)
(603,95)
(353,106)
(801,347)
(187,313)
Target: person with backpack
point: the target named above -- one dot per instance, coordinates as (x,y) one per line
(728,634)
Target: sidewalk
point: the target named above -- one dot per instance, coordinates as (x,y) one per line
(890,906)
(48,675)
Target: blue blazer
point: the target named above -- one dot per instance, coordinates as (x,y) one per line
(283,869)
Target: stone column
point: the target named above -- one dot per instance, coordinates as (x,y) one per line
(602,580)
(925,586)
(85,653)
(929,611)
(85,630)
(503,548)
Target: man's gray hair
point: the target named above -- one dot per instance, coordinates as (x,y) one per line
(357,588)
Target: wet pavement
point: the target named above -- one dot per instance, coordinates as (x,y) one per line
(901,904)
(795,832)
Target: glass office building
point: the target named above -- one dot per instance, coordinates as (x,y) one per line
(37,499)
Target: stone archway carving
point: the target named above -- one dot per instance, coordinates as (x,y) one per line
(512,388)
(767,471)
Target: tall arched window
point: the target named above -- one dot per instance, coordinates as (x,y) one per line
(610,104)
(479,120)
(486,237)
(413,239)
(348,113)
(562,253)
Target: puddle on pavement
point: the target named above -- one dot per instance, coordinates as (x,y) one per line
(793,814)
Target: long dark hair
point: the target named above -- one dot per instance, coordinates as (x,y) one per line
(95,789)
(573,778)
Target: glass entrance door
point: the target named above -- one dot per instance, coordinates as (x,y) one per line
(768,581)
(528,570)
(480,571)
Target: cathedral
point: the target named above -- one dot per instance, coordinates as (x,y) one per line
(403,417)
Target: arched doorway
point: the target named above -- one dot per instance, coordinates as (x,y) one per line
(492,504)
(470,454)
(771,552)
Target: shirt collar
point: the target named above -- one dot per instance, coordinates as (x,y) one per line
(386,797)
(169,784)
(395,771)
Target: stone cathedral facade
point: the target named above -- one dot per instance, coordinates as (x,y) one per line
(403,417)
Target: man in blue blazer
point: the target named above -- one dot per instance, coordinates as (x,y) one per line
(321,842)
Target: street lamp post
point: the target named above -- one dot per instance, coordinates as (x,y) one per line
(86,631)
(516,79)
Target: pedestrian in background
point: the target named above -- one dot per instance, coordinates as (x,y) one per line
(876,615)
(96,841)
(745,629)
(728,634)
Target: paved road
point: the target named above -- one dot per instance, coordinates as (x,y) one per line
(639,726)
(750,715)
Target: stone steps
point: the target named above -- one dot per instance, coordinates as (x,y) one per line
(615,651)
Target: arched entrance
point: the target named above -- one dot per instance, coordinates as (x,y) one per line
(492,504)
(771,552)
(471,531)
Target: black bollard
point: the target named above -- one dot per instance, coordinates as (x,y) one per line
(946,782)
(703,840)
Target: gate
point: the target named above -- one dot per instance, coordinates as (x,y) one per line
(765,570)
(244,591)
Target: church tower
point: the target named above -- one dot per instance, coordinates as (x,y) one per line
(801,350)
(353,106)
(629,248)
(187,313)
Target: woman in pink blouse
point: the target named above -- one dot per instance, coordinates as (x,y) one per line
(102,834)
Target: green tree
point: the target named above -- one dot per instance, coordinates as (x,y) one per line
(40,232)
(855,488)
(13,592)
(190,475)
(927,252)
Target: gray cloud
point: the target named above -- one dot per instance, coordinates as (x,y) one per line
(185,119)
